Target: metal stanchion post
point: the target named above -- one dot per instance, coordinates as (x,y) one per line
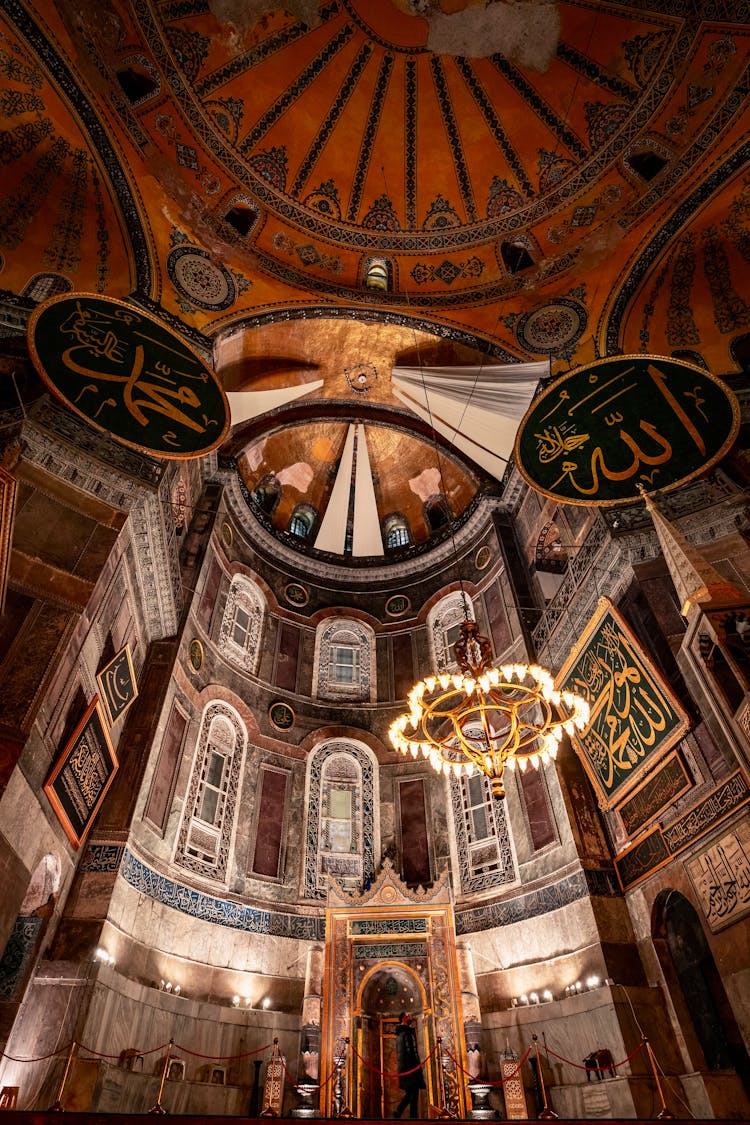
(664,1114)
(443,1113)
(547,1114)
(158,1107)
(268,1109)
(58,1106)
(345,1110)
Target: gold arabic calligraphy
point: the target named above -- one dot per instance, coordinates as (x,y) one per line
(629,712)
(649,448)
(148,386)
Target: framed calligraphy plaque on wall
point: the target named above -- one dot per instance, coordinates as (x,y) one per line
(127,373)
(721,877)
(635,718)
(596,435)
(82,775)
(117,685)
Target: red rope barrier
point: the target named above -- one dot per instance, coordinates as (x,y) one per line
(41,1058)
(392,1074)
(222,1058)
(132,1051)
(485,1081)
(578,1066)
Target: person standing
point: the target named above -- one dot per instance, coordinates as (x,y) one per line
(411,1080)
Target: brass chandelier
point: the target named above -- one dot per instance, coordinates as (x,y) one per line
(485,717)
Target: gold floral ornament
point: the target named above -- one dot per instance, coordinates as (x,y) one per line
(484,718)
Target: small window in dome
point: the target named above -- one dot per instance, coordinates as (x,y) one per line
(267,493)
(516,257)
(397,532)
(241,218)
(377,274)
(437,514)
(647,164)
(302,521)
(137,84)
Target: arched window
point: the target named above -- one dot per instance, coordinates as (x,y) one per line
(437,511)
(516,256)
(444,623)
(241,215)
(341,825)
(44,285)
(483,845)
(345,661)
(242,623)
(303,521)
(647,160)
(138,81)
(267,493)
(205,837)
(396,531)
(377,274)
(691,357)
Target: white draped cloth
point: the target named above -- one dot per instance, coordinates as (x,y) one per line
(476,409)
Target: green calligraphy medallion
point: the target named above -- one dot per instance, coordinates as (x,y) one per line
(126,373)
(600,433)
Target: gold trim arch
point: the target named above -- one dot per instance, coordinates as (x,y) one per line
(390,928)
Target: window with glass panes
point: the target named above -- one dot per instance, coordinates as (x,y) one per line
(213,788)
(344,664)
(481,829)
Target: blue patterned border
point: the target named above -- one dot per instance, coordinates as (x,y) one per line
(237,916)
(220,911)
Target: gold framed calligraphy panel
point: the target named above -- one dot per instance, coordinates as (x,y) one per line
(605,430)
(82,775)
(125,372)
(635,717)
(721,877)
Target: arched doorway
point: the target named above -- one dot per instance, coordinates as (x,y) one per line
(696,984)
(385,992)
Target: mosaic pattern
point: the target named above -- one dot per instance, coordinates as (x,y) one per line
(221,912)
(314,883)
(521,909)
(447,272)
(204,840)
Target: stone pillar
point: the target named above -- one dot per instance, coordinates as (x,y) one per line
(313,999)
(468,983)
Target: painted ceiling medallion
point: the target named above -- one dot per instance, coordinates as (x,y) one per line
(554,328)
(199,279)
(362,377)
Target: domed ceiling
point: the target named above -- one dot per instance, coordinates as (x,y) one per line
(550,181)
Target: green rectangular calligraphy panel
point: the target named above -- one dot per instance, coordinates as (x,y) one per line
(635,719)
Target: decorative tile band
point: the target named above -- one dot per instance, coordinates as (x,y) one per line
(366,927)
(237,916)
(221,912)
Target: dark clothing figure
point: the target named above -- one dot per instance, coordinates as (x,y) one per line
(407,1055)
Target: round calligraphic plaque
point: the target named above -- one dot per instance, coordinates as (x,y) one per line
(397,605)
(599,434)
(126,373)
(281,715)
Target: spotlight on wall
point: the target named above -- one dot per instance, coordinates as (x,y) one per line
(534,997)
(524,999)
(235,1001)
(177,989)
(267,1002)
(247,1001)
(547,996)
(592,982)
(103,956)
(168,986)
